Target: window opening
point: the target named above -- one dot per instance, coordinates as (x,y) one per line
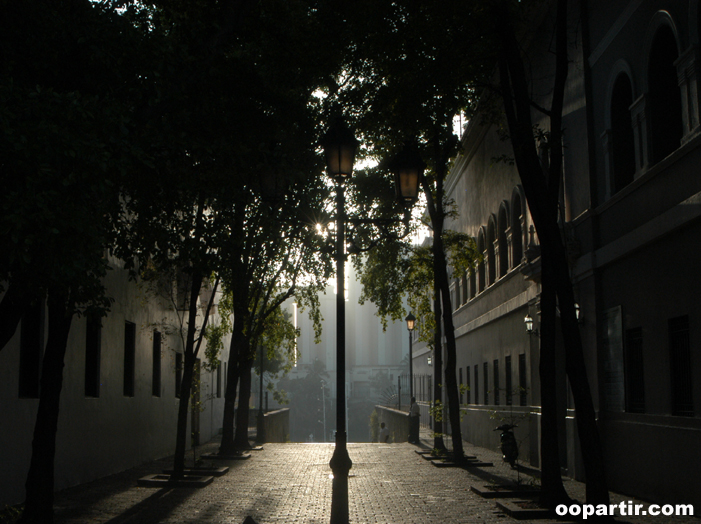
(129,358)
(469,389)
(634,380)
(507,377)
(516,233)
(503,245)
(156,372)
(496,383)
(680,360)
(523,385)
(622,140)
(31,350)
(491,262)
(93,341)
(665,95)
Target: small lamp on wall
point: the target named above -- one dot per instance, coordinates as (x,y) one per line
(528,320)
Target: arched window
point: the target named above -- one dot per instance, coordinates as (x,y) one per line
(622,141)
(516,229)
(473,282)
(491,262)
(465,296)
(664,95)
(481,277)
(502,241)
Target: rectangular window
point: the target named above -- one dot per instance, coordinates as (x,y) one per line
(486,383)
(93,341)
(461,388)
(467,376)
(635,382)
(522,381)
(496,383)
(219,380)
(129,358)
(507,378)
(680,364)
(156,373)
(477,385)
(178,373)
(31,349)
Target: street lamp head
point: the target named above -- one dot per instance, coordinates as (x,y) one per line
(340,146)
(529,324)
(407,168)
(410,322)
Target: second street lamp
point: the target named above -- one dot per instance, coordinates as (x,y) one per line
(410,323)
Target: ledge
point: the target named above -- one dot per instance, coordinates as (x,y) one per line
(524,509)
(232,456)
(213,472)
(494,491)
(167,481)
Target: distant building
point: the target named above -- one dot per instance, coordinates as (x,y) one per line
(374,358)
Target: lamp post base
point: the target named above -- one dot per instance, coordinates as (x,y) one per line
(340,466)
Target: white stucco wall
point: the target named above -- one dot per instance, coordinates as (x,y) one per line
(104,435)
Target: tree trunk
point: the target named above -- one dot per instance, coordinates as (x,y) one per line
(188,371)
(587,429)
(38,506)
(552,489)
(437,372)
(451,383)
(242,413)
(227,446)
(542,193)
(12,308)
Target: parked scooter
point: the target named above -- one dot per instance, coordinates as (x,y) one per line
(509,447)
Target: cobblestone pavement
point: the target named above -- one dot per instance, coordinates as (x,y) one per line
(289,483)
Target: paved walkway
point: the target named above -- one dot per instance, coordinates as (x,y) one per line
(289,483)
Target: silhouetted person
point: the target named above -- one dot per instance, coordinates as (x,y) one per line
(384,433)
(414,421)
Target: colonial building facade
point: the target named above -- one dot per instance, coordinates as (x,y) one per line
(630,215)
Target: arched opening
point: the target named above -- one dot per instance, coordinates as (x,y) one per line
(491,262)
(623,143)
(516,231)
(664,95)
(465,290)
(480,266)
(502,242)
(472,276)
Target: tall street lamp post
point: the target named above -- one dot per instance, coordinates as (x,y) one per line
(340,146)
(410,323)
